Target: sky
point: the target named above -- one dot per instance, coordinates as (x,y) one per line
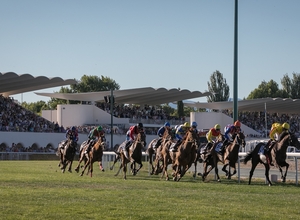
(157,43)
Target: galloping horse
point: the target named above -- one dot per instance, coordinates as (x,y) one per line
(135,155)
(95,154)
(152,152)
(229,158)
(186,155)
(278,154)
(66,154)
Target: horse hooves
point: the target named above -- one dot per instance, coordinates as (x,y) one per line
(200,174)
(70,171)
(219,180)
(102,170)
(111,168)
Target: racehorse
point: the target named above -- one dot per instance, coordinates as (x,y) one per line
(66,154)
(186,155)
(278,154)
(95,154)
(168,135)
(229,158)
(135,155)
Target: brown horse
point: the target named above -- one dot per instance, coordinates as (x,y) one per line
(278,153)
(95,154)
(152,152)
(229,158)
(66,154)
(135,155)
(186,155)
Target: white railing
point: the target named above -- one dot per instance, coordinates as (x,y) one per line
(108,156)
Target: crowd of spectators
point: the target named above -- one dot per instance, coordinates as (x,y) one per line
(13,117)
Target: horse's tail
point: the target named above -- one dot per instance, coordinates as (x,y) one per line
(248,157)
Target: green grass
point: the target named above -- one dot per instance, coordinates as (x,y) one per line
(38,190)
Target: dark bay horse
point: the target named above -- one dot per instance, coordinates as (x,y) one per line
(229,158)
(66,154)
(186,155)
(168,135)
(278,154)
(135,155)
(95,154)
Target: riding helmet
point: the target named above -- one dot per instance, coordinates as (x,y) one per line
(73,128)
(237,123)
(140,125)
(217,127)
(194,124)
(167,124)
(99,128)
(186,124)
(286,126)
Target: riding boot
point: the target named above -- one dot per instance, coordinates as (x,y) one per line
(126,152)
(157,143)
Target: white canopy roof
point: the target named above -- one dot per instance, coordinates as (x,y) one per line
(12,83)
(147,95)
(275,105)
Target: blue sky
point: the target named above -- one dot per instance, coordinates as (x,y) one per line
(157,43)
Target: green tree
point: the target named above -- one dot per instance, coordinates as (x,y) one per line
(180,111)
(266,89)
(94,84)
(218,87)
(291,87)
(35,107)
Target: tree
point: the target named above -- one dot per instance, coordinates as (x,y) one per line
(291,87)
(218,87)
(180,111)
(266,89)
(94,84)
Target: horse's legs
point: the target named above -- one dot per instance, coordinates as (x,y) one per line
(124,170)
(70,166)
(165,168)
(226,171)
(91,168)
(121,165)
(267,169)
(85,166)
(115,161)
(141,165)
(283,177)
(79,161)
(217,170)
(100,166)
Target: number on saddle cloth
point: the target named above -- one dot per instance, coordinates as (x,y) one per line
(261,149)
(218,147)
(172,147)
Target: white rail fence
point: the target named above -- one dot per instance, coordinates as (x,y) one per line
(109,157)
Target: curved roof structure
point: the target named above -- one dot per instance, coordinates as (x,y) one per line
(146,95)
(273,105)
(12,83)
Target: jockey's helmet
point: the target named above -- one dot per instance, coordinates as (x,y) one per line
(217,127)
(286,126)
(73,128)
(186,125)
(99,128)
(167,124)
(237,123)
(194,124)
(140,125)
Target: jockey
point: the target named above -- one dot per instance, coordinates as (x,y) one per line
(278,131)
(213,135)
(94,135)
(131,135)
(71,134)
(194,125)
(179,134)
(230,131)
(161,132)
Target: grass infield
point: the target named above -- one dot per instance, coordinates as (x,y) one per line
(38,190)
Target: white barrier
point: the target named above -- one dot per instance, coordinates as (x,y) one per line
(108,156)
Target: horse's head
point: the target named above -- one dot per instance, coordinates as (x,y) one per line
(293,140)
(240,139)
(141,137)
